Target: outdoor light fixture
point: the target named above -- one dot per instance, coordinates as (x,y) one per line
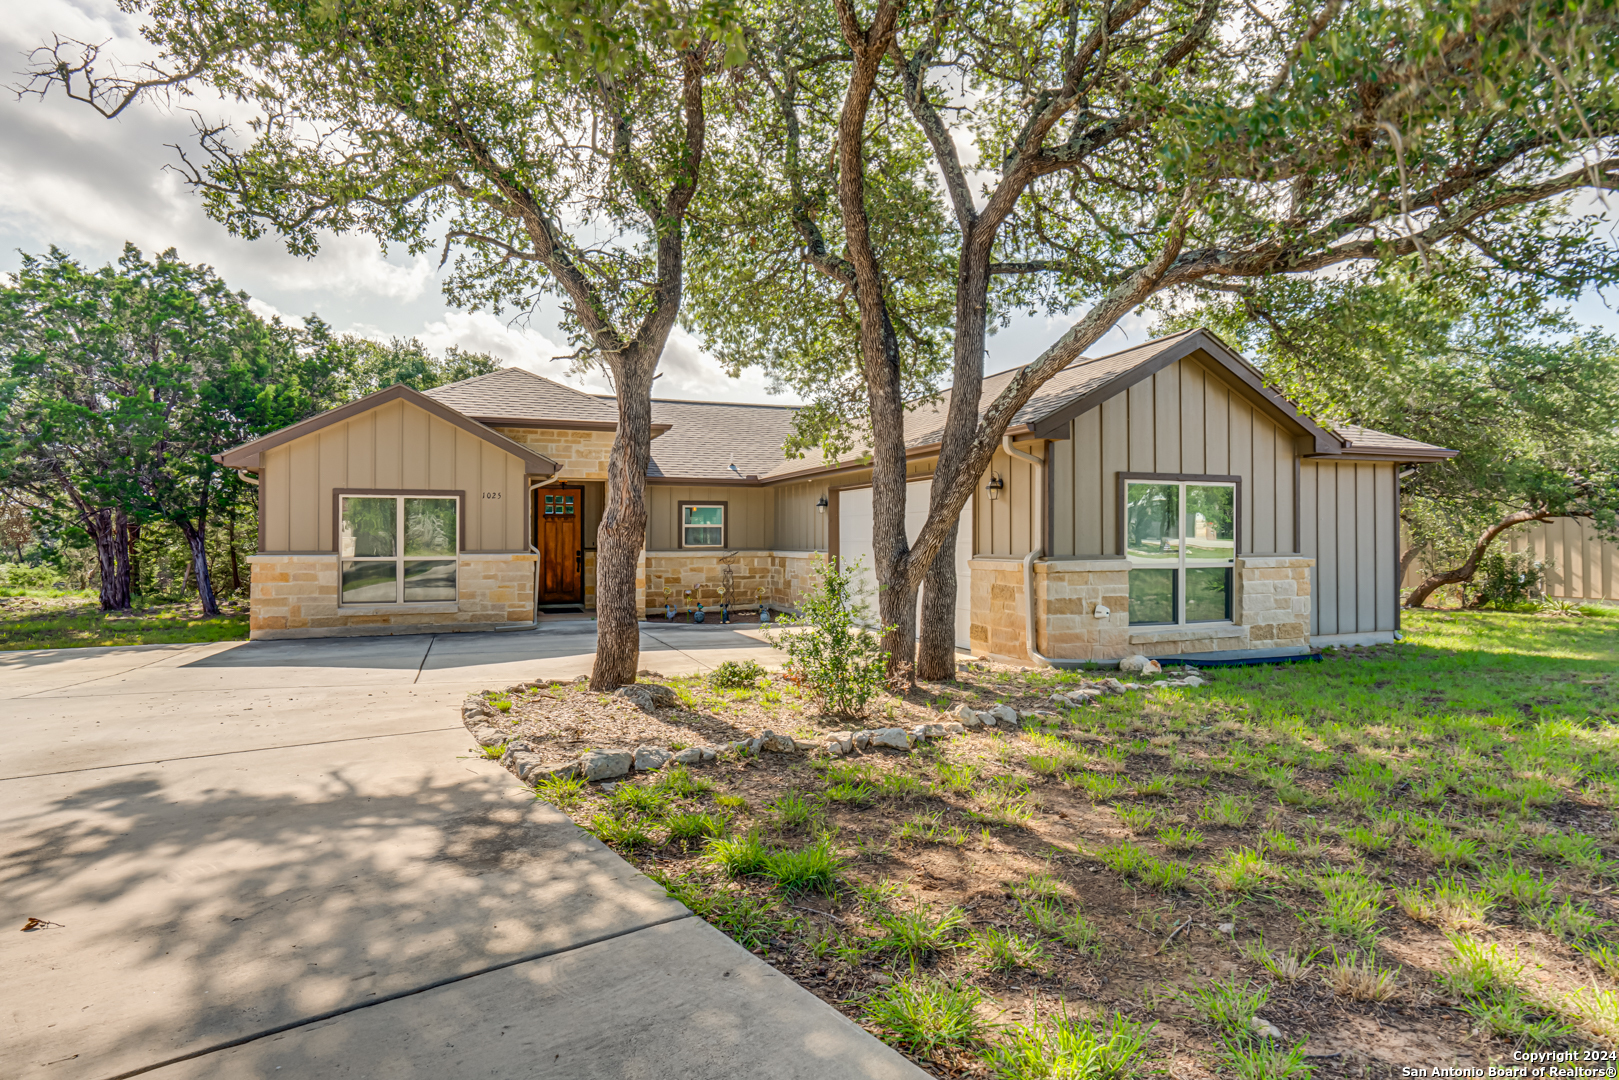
(821,505)
(995,485)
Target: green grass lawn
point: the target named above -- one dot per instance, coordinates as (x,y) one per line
(1401,855)
(58,619)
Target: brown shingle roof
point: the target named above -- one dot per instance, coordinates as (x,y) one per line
(707,438)
(1369,442)
(514,395)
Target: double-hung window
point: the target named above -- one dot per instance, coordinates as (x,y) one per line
(398,549)
(1181,539)
(702,525)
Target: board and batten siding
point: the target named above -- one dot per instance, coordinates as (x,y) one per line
(394,447)
(1010,524)
(1187,419)
(1348,525)
(800,525)
(750,515)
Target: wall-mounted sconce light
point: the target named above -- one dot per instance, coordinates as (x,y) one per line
(995,486)
(821,505)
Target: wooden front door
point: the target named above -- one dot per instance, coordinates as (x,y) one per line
(560,522)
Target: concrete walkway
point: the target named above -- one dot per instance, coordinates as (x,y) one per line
(276,859)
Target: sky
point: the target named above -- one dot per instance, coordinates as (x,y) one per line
(70,178)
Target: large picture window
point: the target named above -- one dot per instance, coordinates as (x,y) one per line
(1181,539)
(398,548)
(702,525)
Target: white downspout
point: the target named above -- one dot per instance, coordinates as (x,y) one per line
(1034,552)
(246,479)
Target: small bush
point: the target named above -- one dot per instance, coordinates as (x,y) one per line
(562,792)
(917,935)
(736,675)
(841,664)
(998,950)
(685,827)
(813,868)
(1361,980)
(1055,921)
(1084,1049)
(1226,1005)
(678,781)
(1508,579)
(19,576)
(1248,1060)
(925,1014)
(739,856)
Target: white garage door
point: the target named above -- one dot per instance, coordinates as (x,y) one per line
(854,542)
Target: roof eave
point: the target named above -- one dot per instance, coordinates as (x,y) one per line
(250,454)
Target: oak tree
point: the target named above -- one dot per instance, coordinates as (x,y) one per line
(1086,157)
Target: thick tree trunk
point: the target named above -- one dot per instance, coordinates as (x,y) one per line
(132,539)
(936,660)
(621,536)
(1465,572)
(936,650)
(196,538)
(106,529)
(235,566)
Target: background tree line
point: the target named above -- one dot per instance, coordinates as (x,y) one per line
(117,387)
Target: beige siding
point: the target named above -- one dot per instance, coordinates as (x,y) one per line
(1185,419)
(1348,525)
(800,524)
(750,516)
(1010,523)
(1583,566)
(392,447)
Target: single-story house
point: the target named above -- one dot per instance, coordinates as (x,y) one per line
(1159,500)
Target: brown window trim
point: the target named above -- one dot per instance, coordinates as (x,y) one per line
(337,511)
(680,523)
(1189,478)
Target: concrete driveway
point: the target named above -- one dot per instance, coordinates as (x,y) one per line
(277,859)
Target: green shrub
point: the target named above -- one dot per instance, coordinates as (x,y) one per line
(1508,579)
(19,576)
(924,1014)
(813,868)
(1083,1049)
(844,666)
(736,675)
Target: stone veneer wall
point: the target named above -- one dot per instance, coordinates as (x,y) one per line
(296,596)
(1272,610)
(783,574)
(580,455)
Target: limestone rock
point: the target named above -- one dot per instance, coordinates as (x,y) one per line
(954,728)
(516,746)
(934,731)
(1139,664)
(776,744)
(566,771)
(609,786)
(605,764)
(709,754)
(892,737)
(487,736)
(1112,686)
(862,740)
(692,755)
(840,743)
(648,697)
(524,763)
(651,758)
(964,712)
(1264,1028)
(474,709)
(1004,717)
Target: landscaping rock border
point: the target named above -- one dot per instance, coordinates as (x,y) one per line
(605,765)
